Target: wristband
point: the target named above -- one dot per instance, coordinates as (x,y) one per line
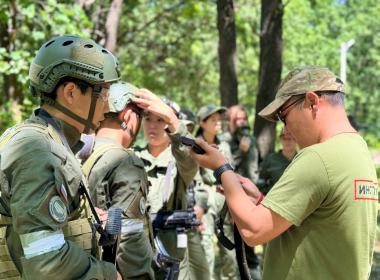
(219,171)
(260,199)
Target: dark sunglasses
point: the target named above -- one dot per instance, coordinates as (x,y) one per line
(280,113)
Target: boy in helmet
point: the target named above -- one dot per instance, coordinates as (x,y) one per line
(117,178)
(46,232)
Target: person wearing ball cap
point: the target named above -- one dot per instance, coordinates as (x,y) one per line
(117,178)
(324,206)
(222,263)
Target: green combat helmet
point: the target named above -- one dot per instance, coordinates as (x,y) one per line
(71,56)
(120,98)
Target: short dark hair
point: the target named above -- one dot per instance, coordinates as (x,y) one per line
(83,86)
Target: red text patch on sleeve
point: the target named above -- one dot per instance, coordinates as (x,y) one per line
(365,190)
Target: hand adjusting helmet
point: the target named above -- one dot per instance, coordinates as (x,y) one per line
(71,56)
(120,100)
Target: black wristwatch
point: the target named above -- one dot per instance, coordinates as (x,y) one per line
(219,171)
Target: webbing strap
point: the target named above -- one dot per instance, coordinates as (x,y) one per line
(93,158)
(5,220)
(49,130)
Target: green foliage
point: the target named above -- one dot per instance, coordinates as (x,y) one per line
(171,47)
(313,33)
(6,116)
(35,23)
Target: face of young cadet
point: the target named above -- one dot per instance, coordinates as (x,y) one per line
(154,130)
(241,119)
(212,124)
(79,103)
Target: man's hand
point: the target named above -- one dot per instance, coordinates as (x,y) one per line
(103,215)
(244,144)
(119,276)
(250,188)
(199,212)
(212,159)
(152,103)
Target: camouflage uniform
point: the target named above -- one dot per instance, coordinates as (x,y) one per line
(40,181)
(197,195)
(182,174)
(271,169)
(118,179)
(46,230)
(246,164)
(198,266)
(226,266)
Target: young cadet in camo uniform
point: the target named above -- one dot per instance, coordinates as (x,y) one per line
(197,198)
(222,262)
(117,178)
(168,164)
(45,232)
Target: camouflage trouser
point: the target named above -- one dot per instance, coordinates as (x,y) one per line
(222,262)
(198,266)
(184,268)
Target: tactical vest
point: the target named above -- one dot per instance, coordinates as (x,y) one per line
(89,164)
(79,230)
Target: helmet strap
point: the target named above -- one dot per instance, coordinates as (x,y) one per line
(90,116)
(87,123)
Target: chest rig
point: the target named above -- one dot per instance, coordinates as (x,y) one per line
(77,229)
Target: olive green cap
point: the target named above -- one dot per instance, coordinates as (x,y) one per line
(121,94)
(207,110)
(71,56)
(300,81)
(187,116)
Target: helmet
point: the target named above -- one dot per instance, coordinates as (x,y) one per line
(71,56)
(172,104)
(120,95)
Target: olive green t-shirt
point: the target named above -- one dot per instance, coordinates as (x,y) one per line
(329,194)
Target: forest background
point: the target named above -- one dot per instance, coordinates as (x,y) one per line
(198,52)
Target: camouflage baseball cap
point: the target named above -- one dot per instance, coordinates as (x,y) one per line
(187,116)
(299,81)
(121,94)
(207,110)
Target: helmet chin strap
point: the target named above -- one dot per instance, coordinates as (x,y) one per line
(86,122)
(89,125)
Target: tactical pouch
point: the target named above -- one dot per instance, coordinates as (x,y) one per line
(80,232)
(8,269)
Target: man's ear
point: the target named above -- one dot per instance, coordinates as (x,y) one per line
(67,92)
(312,100)
(125,115)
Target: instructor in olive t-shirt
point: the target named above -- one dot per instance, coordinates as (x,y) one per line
(320,217)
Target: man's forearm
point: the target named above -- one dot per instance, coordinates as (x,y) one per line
(256,224)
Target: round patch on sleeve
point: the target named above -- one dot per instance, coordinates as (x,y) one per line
(142,205)
(57,209)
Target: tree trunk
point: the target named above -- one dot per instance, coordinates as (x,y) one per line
(228,84)
(112,24)
(270,70)
(8,35)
